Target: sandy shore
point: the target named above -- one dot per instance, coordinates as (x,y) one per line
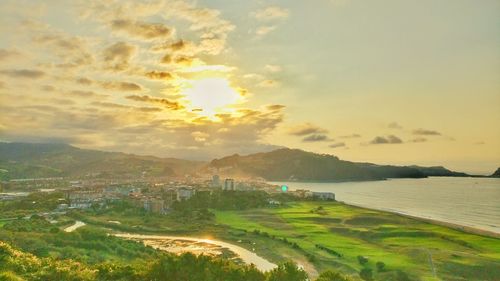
(467,229)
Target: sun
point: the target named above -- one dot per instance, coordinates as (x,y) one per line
(208,96)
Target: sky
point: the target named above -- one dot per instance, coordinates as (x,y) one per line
(390,81)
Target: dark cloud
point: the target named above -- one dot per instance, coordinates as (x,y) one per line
(84,81)
(47,88)
(273,107)
(352,136)
(118,55)
(142,29)
(391,139)
(306,129)
(184,60)
(166,59)
(165,102)
(394,125)
(8,54)
(23,73)
(82,93)
(419,139)
(120,86)
(316,138)
(159,75)
(425,132)
(177,46)
(338,144)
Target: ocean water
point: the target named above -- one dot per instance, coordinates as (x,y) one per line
(472,202)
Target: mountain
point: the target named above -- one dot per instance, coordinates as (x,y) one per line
(293,164)
(496,174)
(33,160)
(439,171)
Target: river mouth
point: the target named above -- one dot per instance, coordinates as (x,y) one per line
(200,246)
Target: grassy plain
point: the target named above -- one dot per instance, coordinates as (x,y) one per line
(330,235)
(423,250)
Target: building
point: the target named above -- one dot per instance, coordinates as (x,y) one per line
(215,181)
(229,184)
(82,199)
(184,193)
(329,196)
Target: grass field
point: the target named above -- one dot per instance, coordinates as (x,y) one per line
(423,250)
(329,235)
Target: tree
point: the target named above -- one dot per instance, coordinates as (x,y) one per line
(287,271)
(332,276)
(380,266)
(362,260)
(366,274)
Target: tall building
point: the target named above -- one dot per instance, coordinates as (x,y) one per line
(215,181)
(229,184)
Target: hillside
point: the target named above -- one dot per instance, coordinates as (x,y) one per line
(496,174)
(29,160)
(293,164)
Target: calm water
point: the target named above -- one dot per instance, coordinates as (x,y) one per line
(473,202)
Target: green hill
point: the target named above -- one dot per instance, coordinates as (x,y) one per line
(33,160)
(293,164)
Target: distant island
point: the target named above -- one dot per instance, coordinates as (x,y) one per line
(36,160)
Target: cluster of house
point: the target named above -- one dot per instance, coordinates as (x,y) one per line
(307,194)
(156,200)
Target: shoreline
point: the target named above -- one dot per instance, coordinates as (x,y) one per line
(455,226)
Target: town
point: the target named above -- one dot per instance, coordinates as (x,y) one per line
(155,195)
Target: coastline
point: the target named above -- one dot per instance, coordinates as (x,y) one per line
(455,226)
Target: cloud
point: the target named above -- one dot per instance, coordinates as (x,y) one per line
(72,51)
(82,93)
(316,138)
(425,132)
(263,30)
(391,139)
(23,73)
(419,139)
(84,81)
(120,86)
(351,136)
(159,75)
(47,88)
(394,125)
(142,29)
(118,55)
(268,83)
(6,54)
(275,107)
(337,144)
(306,129)
(273,68)
(165,102)
(271,13)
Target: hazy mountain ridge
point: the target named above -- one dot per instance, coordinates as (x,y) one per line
(29,160)
(293,164)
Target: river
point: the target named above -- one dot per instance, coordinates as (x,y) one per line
(471,202)
(180,244)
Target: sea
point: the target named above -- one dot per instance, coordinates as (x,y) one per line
(462,201)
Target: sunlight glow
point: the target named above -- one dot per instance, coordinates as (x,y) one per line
(209,96)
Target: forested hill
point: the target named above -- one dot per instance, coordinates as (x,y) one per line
(29,160)
(293,164)
(32,160)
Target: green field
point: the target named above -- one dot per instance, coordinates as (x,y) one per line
(329,235)
(422,250)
